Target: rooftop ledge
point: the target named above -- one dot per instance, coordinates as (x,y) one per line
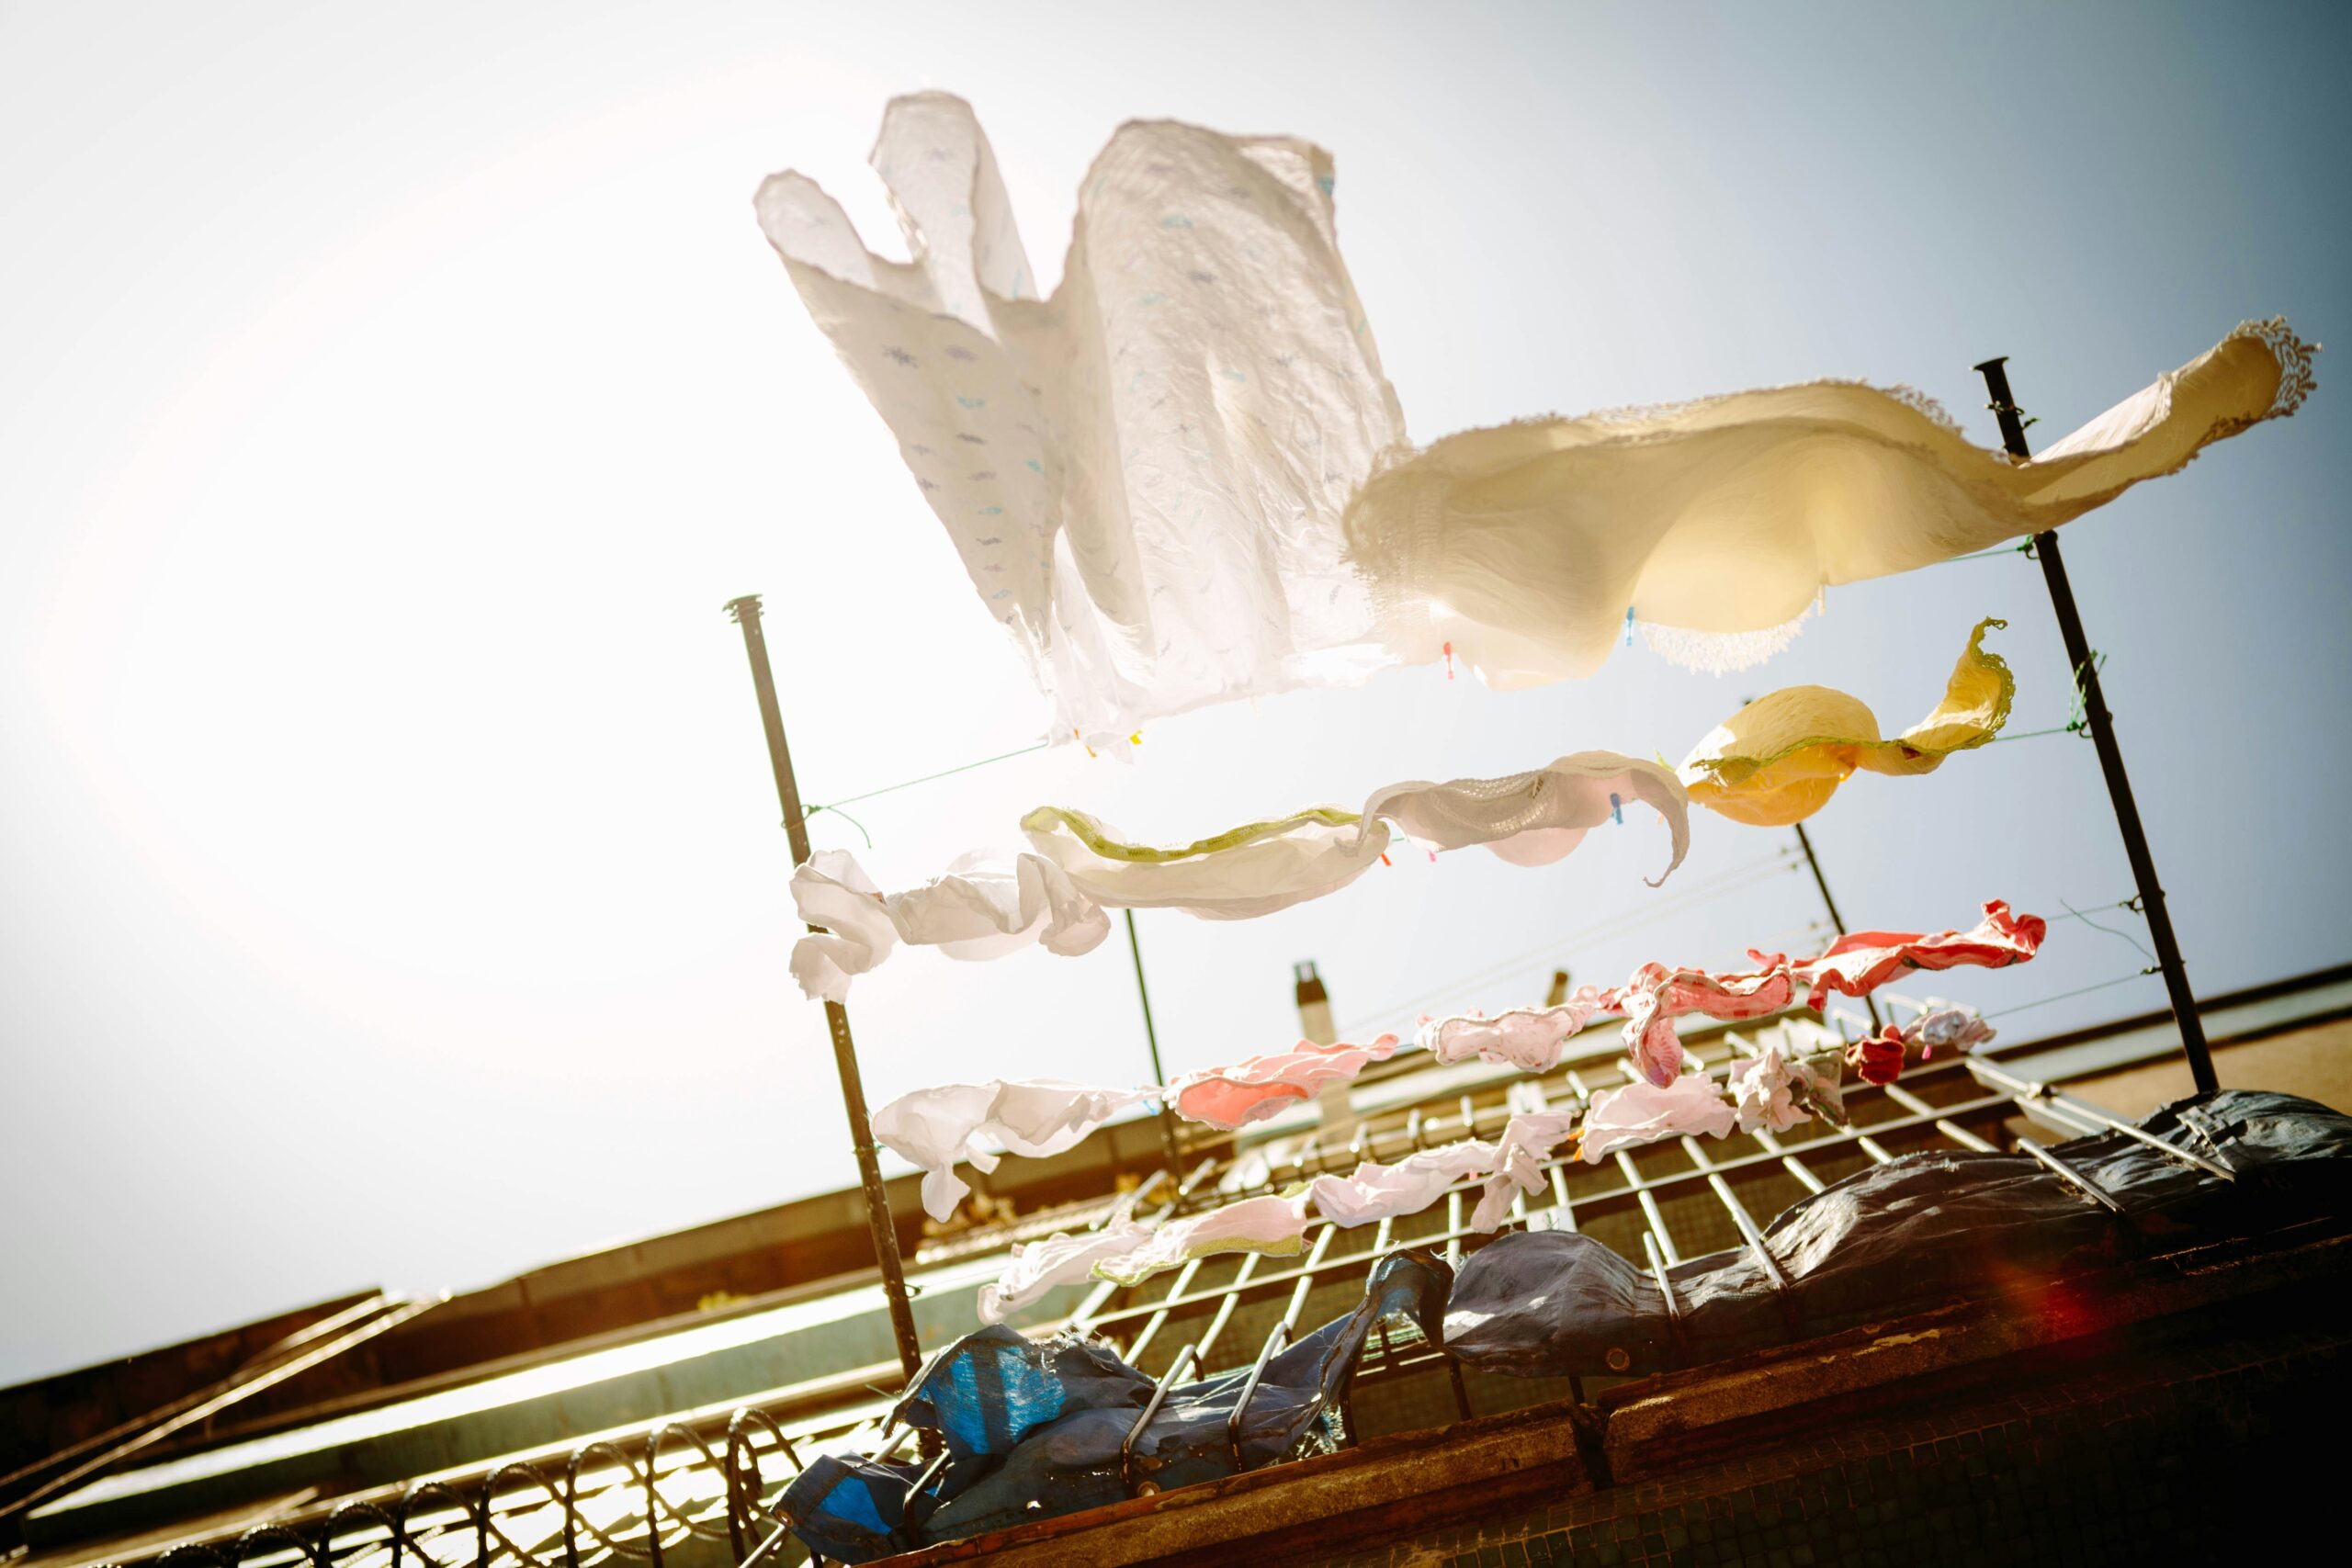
(1664,1433)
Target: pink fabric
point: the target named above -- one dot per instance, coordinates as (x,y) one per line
(1251,1091)
(1527,1038)
(1657,996)
(1860,963)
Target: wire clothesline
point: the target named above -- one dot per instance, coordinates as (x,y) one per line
(2078,991)
(1736,879)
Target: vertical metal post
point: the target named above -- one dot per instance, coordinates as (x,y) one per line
(1805,843)
(745,613)
(1151,1040)
(2110,756)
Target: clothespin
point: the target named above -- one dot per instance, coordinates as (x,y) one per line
(1616,809)
(1386,860)
(1136,739)
(1449,661)
(1082,740)
(1629,625)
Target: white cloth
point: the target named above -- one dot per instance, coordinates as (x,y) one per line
(1184,479)
(1269,1224)
(1538,817)
(1776,1089)
(1511,1165)
(1144,475)
(834,891)
(1061,1260)
(1376,1191)
(1642,1112)
(1728,515)
(1528,1139)
(1530,1039)
(983,908)
(934,1128)
(1945,1026)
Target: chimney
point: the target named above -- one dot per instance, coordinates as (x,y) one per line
(1339,1114)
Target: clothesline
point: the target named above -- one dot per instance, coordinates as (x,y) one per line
(2025,549)
(2068,996)
(1736,879)
(835,806)
(1755,874)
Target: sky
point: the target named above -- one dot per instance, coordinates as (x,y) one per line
(391,887)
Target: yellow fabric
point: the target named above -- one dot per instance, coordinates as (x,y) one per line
(1090,832)
(1780,759)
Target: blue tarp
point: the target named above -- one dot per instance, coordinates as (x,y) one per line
(1033,1428)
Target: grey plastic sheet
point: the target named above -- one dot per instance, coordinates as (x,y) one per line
(1917,1232)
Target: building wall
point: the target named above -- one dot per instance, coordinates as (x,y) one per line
(2138,1454)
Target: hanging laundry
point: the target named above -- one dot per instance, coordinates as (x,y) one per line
(1644,1112)
(1511,1165)
(1037,1267)
(1238,875)
(1530,1039)
(1144,475)
(1777,1088)
(1227,1097)
(1530,819)
(1861,962)
(1528,1140)
(1877,1059)
(1657,996)
(1944,1026)
(981,909)
(932,1129)
(1539,816)
(1185,478)
(1725,516)
(1778,760)
(1374,1191)
(1273,1225)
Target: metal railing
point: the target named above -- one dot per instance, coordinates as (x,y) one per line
(703,1494)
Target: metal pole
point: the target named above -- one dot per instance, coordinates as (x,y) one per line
(1878,1024)
(2110,756)
(745,613)
(1151,1040)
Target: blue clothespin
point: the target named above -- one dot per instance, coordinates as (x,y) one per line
(1629,625)
(1616,809)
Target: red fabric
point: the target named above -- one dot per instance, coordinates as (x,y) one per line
(1877,1060)
(1862,963)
